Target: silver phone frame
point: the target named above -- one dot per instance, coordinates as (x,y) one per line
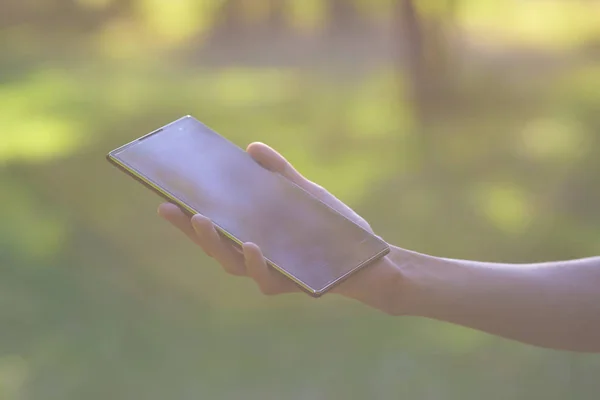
(112,158)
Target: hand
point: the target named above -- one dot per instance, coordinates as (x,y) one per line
(377,285)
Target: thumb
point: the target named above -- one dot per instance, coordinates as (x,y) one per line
(270,159)
(267,157)
(273,161)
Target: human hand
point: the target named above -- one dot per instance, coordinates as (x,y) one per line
(377,285)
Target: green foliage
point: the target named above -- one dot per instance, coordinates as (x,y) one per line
(546,24)
(306,14)
(35,118)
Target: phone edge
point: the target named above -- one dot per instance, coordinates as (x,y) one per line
(364,264)
(189,211)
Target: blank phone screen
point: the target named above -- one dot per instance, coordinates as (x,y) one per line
(298,234)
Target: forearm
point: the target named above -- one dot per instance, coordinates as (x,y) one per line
(554,305)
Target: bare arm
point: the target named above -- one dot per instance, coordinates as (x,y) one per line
(554,305)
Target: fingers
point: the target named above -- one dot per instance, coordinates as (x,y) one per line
(175,216)
(269,281)
(256,267)
(249,261)
(202,232)
(221,250)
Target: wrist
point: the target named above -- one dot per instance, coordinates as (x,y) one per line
(401,283)
(421,279)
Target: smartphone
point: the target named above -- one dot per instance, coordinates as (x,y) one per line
(199,170)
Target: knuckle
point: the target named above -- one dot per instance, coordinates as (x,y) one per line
(364,224)
(232,269)
(206,251)
(320,190)
(268,290)
(229,270)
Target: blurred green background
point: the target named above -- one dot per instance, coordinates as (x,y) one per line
(459,128)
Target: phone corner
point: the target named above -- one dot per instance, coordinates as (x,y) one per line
(316,293)
(386,250)
(111,157)
(187,117)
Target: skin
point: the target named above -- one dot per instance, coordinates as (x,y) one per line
(554,305)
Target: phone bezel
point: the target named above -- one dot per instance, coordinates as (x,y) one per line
(190,211)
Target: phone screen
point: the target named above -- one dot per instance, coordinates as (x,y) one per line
(205,173)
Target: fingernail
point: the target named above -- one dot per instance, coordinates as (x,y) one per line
(196,224)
